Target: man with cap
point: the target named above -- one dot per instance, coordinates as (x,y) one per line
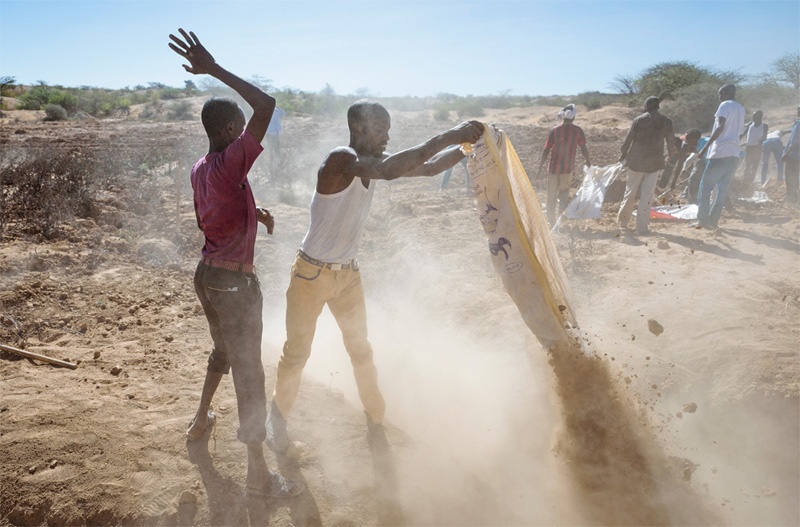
(643,152)
(563,140)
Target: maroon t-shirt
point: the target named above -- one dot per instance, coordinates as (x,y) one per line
(564,139)
(224,201)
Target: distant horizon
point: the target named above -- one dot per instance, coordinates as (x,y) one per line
(393,48)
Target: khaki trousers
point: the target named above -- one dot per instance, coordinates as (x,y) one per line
(647,183)
(310,288)
(557,191)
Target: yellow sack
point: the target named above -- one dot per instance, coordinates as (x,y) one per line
(522,251)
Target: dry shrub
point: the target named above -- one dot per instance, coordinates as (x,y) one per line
(43,187)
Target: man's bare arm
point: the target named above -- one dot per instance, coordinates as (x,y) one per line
(626,144)
(545,155)
(411,160)
(585,152)
(671,149)
(447,158)
(718,132)
(202,62)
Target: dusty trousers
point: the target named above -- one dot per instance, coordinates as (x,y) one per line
(557,192)
(232,303)
(645,184)
(312,287)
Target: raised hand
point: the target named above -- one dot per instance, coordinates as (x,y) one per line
(192,50)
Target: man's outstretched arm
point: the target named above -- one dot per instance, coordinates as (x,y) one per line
(202,62)
(418,160)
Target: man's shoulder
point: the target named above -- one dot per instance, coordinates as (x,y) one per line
(339,157)
(731,105)
(340,151)
(568,127)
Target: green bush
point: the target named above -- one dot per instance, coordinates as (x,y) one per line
(180,111)
(55,112)
(468,108)
(441,114)
(693,107)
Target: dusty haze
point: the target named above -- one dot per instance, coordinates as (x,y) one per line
(697,425)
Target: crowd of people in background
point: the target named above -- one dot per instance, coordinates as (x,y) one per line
(700,168)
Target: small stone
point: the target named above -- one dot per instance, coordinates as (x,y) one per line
(654,327)
(662,244)
(54,463)
(96,355)
(690,408)
(116,370)
(169,338)
(32,470)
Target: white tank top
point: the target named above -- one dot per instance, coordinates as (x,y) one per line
(337,223)
(754,134)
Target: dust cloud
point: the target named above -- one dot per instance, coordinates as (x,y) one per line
(486,426)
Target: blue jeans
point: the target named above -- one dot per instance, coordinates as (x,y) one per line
(718,176)
(449,172)
(772,147)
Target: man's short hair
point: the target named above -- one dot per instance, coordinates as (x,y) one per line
(363,110)
(728,89)
(652,103)
(217,113)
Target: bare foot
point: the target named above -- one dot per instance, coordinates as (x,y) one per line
(200,424)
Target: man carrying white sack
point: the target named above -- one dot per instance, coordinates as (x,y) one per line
(643,152)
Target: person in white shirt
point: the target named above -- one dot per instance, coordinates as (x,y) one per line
(723,153)
(754,135)
(326,271)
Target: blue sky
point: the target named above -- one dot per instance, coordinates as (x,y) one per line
(393,47)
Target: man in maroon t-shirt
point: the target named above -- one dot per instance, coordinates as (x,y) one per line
(563,140)
(225,279)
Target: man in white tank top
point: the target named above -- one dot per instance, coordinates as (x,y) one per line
(326,271)
(754,134)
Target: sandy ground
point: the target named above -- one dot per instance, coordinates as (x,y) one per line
(694,425)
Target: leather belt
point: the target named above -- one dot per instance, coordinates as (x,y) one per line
(352,264)
(229,265)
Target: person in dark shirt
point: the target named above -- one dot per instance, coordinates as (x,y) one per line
(563,140)
(643,152)
(686,146)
